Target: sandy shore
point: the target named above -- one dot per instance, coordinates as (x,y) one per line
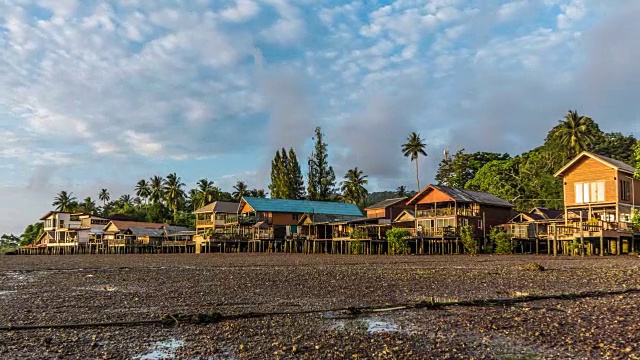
(76,289)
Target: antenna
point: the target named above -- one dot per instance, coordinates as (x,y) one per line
(446,154)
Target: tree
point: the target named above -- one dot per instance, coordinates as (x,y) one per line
(401,191)
(398,240)
(501,241)
(208,193)
(64,201)
(104,196)
(353,190)
(8,242)
(413,149)
(32,233)
(500,178)
(88,205)
(125,199)
(143,189)
(636,155)
(286,176)
(156,189)
(617,146)
(457,170)
(174,194)
(294,175)
(575,133)
(240,190)
(320,178)
(259,193)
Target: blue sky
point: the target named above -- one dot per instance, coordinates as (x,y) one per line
(100,94)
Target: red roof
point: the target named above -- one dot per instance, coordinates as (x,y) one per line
(123,225)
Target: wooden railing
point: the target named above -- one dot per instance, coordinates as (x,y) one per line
(205,222)
(446,212)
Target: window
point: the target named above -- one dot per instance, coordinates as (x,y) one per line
(294,216)
(589,192)
(61,224)
(625,190)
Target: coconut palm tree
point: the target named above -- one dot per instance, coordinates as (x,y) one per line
(240,190)
(401,191)
(104,196)
(88,205)
(208,192)
(64,201)
(173,192)
(573,133)
(413,149)
(125,200)
(353,190)
(194,199)
(156,189)
(143,190)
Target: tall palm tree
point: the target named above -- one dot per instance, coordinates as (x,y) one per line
(573,133)
(413,149)
(208,192)
(137,202)
(125,200)
(353,190)
(194,199)
(173,192)
(88,205)
(401,191)
(240,190)
(156,189)
(143,189)
(104,196)
(64,201)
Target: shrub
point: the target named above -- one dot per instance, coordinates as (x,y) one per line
(635,220)
(501,241)
(469,241)
(398,241)
(358,234)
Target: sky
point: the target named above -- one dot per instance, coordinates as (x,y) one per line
(100,94)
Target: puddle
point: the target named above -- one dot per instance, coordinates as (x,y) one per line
(162,350)
(18,278)
(7,292)
(369,325)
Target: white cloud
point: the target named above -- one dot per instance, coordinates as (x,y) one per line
(242,11)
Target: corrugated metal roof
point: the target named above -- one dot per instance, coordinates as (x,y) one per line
(330,218)
(173,229)
(141,231)
(302,206)
(386,203)
(219,206)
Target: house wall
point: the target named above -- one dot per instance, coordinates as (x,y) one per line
(590,170)
(392,212)
(375,213)
(286,218)
(494,216)
(635,189)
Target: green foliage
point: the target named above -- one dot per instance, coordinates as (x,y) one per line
(635,220)
(32,233)
(636,155)
(501,240)
(240,190)
(353,190)
(358,233)
(617,146)
(413,148)
(459,169)
(64,201)
(469,241)
(286,176)
(320,178)
(398,241)
(576,133)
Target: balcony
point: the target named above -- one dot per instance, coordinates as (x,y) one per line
(205,222)
(446,212)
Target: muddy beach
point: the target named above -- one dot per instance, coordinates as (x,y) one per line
(82,289)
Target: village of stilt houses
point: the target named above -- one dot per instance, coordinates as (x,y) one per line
(599,205)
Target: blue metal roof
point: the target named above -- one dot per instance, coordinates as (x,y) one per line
(302,206)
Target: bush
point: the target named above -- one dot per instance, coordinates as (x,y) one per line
(635,220)
(501,241)
(358,234)
(471,244)
(398,241)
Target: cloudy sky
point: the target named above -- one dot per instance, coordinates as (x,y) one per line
(100,94)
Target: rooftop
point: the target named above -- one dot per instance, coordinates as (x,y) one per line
(386,203)
(219,206)
(302,206)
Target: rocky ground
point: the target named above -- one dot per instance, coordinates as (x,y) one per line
(79,289)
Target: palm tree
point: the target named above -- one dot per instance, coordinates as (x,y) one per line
(208,192)
(104,196)
(137,202)
(173,192)
(401,191)
(64,201)
(240,190)
(156,190)
(142,189)
(88,205)
(573,133)
(413,149)
(125,200)
(194,199)
(353,190)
